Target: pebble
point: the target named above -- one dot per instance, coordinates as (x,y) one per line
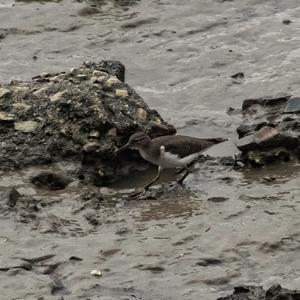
(4,92)
(122,93)
(112,81)
(21,107)
(141,115)
(58,96)
(7,117)
(26,126)
(96,273)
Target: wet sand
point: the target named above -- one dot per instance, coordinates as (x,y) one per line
(224,227)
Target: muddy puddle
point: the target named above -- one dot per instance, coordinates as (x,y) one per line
(224,227)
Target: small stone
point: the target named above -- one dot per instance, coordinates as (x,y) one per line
(94,79)
(4,92)
(39,91)
(122,93)
(26,126)
(112,132)
(217,199)
(97,73)
(94,134)
(141,115)
(96,273)
(81,76)
(91,147)
(286,21)
(112,81)
(7,117)
(27,191)
(207,261)
(58,96)
(21,107)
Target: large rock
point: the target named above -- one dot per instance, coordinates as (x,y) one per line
(270,131)
(267,138)
(251,292)
(82,115)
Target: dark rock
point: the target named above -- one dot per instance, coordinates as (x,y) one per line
(245,129)
(208,261)
(154,268)
(238,75)
(217,199)
(275,292)
(264,101)
(83,116)
(286,21)
(51,181)
(266,138)
(293,106)
(10,198)
(112,67)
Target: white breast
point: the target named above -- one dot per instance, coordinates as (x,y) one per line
(169,160)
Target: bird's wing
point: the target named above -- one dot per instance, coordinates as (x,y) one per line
(185,145)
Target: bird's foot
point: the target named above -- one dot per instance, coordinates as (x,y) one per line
(138,193)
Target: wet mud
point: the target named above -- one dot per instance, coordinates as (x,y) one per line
(225,227)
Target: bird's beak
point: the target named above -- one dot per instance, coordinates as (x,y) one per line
(126,146)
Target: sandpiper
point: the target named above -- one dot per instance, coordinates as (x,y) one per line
(169,151)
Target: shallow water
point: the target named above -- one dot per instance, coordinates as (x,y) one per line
(180,56)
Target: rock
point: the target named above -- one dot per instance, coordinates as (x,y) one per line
(141,115)
(264,101)
(293,106)
(208,261)
(217,199)
(67,125)
(51,181)
(286,21)
(276,292)
(4,92)
(113,68)
(239,75)
(26,126)
(154,268)
(121,93)
(21,107)
(10,198)
(6,117)
(266,138)
(245,129)
(96,273)
(58,96)
(112,81)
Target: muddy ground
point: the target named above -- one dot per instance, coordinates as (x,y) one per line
(225,227)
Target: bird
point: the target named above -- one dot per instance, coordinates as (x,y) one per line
(169,151)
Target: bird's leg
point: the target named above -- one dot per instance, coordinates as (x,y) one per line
(137,194)
(188,170)
(154,180)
